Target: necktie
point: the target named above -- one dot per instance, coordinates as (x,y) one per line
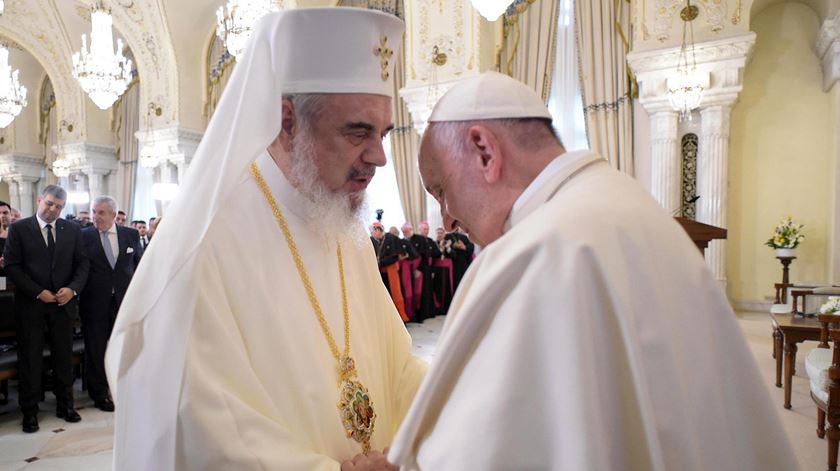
(50,240)
(106,245)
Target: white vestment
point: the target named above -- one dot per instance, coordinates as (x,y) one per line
(591,336)
(258,388)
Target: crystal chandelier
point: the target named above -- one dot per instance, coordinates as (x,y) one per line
(685,90)
(491,9)
(234,25)
(61,168)
(12,93)
(103,73)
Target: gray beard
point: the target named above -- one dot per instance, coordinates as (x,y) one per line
(329,214)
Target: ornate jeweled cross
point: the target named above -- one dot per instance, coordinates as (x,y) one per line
(384,54)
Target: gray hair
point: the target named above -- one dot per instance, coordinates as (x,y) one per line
(308,107)
(56,191)
(527,133)
(105,199)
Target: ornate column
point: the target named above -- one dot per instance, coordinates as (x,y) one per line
(720,65)
(712,179)
(665,160)
(21,172)
(14,195)
(96,163)
(172,144)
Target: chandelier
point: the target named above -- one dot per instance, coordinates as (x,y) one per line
(61,168)
(12,93)
(491,9)
(685,90)
(234,25)
(103,73)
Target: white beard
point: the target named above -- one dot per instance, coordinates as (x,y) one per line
(329,214)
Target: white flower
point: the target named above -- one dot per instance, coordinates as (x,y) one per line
(832,306)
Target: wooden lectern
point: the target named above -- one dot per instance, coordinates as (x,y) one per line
(701,233)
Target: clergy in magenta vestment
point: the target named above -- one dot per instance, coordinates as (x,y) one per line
(218,360)
(590,336)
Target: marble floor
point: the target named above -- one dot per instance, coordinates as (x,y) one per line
(87,445)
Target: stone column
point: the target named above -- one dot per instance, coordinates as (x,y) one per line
(26,192)
(96,181)
(22,171)
(14,195)
(665,160)
(712,180)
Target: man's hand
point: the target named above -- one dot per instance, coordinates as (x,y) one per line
(373,461)
(2,262)
(402,256)
(64,296)
(417,273)
(46,296)
(460,245)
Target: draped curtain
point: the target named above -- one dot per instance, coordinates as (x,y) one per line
(565,103)
(219,69)
(126,124)
(48,129)
(529,41)
(602,28)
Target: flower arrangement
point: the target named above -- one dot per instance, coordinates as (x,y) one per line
(786,236)
(832,306)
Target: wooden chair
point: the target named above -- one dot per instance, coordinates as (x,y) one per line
(803,293)
(823,367)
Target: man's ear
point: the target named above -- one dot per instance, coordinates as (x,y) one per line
(288,126)
(485,147)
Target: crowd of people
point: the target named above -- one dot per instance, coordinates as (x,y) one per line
(421,273)
(64,269)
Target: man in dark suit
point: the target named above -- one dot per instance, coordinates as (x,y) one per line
(462,254)
(45,259)
(114,252)
(141,228)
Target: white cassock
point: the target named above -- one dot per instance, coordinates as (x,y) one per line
(591,336)
(259,386)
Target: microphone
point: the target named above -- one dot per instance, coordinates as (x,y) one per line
(690,201)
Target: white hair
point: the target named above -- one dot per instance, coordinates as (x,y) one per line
(107,200)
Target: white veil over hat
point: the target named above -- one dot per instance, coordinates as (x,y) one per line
(312,50)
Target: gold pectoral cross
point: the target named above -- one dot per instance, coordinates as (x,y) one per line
(384,54)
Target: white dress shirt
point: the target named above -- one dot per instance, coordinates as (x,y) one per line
(43,225)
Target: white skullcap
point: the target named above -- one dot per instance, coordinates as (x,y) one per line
(337,50)
(490,95)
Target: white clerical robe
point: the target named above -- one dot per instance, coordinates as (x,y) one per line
(258,386)
(591,336)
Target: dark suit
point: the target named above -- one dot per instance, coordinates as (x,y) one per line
(33,269)
(101,297)
(461,258)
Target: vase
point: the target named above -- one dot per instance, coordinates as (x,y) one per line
(785,252)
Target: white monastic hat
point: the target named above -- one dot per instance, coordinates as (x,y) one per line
(337,50)
(490,95)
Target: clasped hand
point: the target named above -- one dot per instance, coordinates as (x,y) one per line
(62,297)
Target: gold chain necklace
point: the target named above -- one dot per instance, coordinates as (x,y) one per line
(355,405)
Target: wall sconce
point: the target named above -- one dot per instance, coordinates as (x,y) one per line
(438,58)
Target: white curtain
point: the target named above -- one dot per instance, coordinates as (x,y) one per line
(527,52)
(565,102)
(382,191)
(603,28)
(126,124)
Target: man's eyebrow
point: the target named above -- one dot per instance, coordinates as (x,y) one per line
(358,125)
